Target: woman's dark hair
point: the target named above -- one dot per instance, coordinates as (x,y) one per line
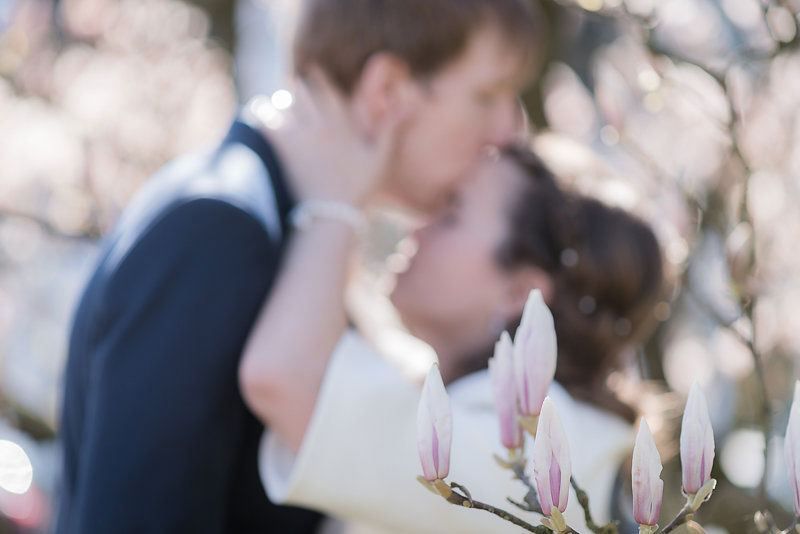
(606,270)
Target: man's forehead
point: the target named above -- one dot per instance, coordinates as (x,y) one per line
(495,57)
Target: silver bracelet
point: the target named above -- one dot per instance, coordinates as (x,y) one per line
(307,211)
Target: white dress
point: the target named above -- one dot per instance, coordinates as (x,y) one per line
(358,460)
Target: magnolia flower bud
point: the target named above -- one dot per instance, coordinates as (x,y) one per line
(434,427)
(551,463)
(648,488)
(534,354)
(792,448)
(501,370)
(697,442)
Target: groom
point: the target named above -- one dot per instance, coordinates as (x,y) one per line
(156,436)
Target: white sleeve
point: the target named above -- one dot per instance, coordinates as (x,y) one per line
(358,460)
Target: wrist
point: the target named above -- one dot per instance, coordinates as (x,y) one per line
(307,212)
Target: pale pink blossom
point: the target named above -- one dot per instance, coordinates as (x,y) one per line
(501,370)
(551,462)
(534,354)
(434,427)
(792,448)
(648,488)
(697,442)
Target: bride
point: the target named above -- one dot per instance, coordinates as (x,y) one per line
(341,421)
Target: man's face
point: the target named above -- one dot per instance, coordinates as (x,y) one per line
(469,105)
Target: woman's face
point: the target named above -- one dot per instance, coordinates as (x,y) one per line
(454,288)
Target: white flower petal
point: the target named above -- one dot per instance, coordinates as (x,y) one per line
(648,487)
(697,442)
(792,448)
(501,371)
(551,446)
(434,427)
(535,354)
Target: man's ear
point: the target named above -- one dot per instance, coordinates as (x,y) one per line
(384,89)
(521,282)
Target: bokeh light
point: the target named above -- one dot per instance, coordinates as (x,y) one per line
(282,99)
(16,471)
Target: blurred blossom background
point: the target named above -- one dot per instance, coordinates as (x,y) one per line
(683,111)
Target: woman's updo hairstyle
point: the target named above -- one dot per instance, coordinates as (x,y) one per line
(607,274)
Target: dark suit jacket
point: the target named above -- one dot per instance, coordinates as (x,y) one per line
(156,436)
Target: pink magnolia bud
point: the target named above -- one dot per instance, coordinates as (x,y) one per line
(501,370)
(697,442)
(792,448)
(534,354)
(434,427)
(551,463)
(648,488)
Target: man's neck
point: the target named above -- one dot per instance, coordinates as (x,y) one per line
(270,123)
(277,142)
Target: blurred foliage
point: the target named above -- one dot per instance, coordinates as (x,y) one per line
(690,112)
(95,95)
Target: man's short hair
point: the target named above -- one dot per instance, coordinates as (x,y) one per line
(339,36)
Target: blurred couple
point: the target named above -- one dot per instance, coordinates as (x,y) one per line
(217,306)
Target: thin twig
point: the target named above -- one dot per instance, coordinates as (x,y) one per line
(717,317)
(791,529)
(530,497)
(749,342)
(683,516)
(463,499)
(747,301)
(583,499)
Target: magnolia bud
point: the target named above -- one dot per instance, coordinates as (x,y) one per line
(534,354)
(697,442)
(501,370)
(648,488)
(551,462)
(434,427)
(792,448)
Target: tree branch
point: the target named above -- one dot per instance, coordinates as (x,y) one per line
(465,499)
(583,499)
(683,516)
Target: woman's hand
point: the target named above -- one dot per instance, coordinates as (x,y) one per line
(330,157)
